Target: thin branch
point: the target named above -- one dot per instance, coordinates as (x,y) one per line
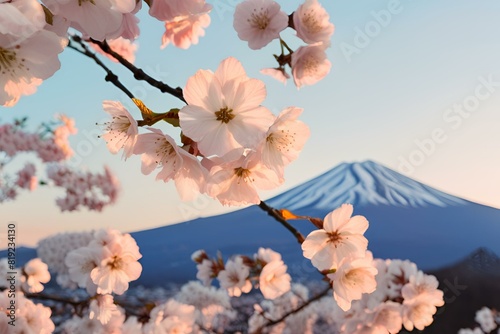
(139,74)
(110,76)
(286,315)
(277,216)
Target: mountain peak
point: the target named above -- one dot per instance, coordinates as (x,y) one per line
(364,182)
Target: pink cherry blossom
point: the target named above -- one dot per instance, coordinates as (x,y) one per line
(311,21)
(276,73)
(418,315)
(267,255)
(160,150)
(103,308)
(27,63)
(20,19)
(309,65)
(234,277)
(80,263)
(284,139)
(99,19)
(274,281)
(169,10)
(121,131)
(341,236)
(117,268)
(26,177)
(353,277)
(223,111)
(185,31)
(92,190)
(120,45)
(236,182)
(259,22)
(36,273)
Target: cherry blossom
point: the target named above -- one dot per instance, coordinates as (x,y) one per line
(234,277)
(267,255)
(36,273)
(121,131)
(223,111)
(276,73)
(259,22)
(309,65)
(274,280)
(117,267)
(29,317)
(92,190)
(485,318)
(20,19)
(26,177)
(27,63)
(103,308)
(341,236)
(284,139)
(185,31)
(236,182)
(311,21)
(99,19)
(80,263)
(158,150)
(352,278)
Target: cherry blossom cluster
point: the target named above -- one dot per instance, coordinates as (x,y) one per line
(32,35)
(266,271)
(261,21)
(28,316)
(405,297)
(195,309)
(103,262)
(53,250)
(301,322)
(488,320)
(242,146)
(50,144)
(339,250)
(83,188)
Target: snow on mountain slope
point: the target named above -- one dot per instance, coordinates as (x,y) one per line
(360,184)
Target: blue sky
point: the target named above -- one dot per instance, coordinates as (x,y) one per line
(415,85)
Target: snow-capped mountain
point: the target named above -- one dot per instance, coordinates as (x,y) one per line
(408,220)
(361,184)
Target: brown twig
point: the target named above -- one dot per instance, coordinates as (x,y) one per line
(139,74)
(110,76)
(278,217)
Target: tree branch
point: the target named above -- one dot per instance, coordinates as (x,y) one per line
(139,74)
(286,315)
(277,216)
(110,76)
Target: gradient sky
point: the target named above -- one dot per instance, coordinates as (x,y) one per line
(394,94)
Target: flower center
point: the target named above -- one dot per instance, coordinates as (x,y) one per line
(281,139)
(311,23)
(335,238)
(116,263)
(259,20)
(7,59)
(224,115)
(311,65)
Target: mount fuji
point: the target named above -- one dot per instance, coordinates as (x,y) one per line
(408,220)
